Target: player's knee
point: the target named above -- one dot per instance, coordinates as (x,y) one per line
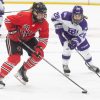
(14,59)
(66,52)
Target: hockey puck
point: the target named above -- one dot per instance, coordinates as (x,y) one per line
(84,92)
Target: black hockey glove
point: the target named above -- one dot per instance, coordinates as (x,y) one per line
(38,54)
(73,43)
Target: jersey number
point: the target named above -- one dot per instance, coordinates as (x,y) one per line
(56,15)
(82,35)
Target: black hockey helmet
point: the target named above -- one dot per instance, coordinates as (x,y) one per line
(39,11)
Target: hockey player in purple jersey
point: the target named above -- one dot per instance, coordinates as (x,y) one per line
(1,12)
(71,28)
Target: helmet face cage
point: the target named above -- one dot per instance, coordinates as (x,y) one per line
(77,14)
(39,11)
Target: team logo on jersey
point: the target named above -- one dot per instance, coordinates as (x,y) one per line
(26,27)
(26,31)
(72,31)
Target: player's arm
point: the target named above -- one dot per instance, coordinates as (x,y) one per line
(56,19)
(79,38)
(58,25)
(82,35)
(42,41)
(43,35)
(13,22)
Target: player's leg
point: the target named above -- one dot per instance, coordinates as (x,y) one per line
(1,20)
(84,51)
(13,59)
(66,54)
(88,60)
(65,57)
(31,62)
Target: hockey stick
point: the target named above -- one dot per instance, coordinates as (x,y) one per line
(15,11)
(86,62)
(81,56)
(84,91)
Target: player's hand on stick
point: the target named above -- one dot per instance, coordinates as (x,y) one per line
(73,43)
(38,54)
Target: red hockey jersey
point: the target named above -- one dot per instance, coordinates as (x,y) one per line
(26,28)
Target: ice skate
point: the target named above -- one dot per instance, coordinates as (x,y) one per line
(2,84)
(21,76)
(66,70)
(93,68)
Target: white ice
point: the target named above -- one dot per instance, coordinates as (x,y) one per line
(46,83)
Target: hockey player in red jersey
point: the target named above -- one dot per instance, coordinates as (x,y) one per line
(24,26)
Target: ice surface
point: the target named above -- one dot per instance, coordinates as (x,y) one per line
(45,82)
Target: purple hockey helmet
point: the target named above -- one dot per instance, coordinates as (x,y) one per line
(77,10)
(77,14)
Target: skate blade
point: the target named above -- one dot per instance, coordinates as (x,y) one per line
(95,71)
(66,74)
(19,78)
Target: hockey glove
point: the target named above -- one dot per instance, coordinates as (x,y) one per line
(13,30)
(39,54)
(73,43)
